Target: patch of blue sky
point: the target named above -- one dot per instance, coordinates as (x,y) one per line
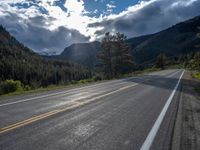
(28,4)
(98,7)
(60,4)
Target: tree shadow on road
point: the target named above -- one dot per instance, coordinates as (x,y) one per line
(166,82)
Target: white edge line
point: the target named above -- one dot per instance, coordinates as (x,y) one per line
(150,138)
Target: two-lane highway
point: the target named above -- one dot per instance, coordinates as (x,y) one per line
(132,113)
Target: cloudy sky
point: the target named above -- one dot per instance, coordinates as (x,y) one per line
(52,25)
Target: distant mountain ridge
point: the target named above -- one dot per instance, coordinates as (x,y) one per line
(82,53)
(174,41)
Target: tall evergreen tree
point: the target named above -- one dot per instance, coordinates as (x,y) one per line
(161,61)
(197,54)
(115,57)
(123,58)
(198,35)
(197,60)
(105,56)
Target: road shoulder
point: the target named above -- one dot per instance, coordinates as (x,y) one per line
(187,127)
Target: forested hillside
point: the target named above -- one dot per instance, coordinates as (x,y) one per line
(174,42)
(18,62)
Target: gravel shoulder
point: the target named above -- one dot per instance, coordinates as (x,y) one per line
(187,127)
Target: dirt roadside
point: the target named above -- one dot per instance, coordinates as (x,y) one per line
(187,127)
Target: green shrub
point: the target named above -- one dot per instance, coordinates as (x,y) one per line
(97,78)
(74,82)
(196,75)
(93,79)
(27,88)
(9,86)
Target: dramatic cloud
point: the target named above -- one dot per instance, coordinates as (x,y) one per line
(51,25)
(148,17)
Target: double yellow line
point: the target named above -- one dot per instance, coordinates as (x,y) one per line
(36,118)
(74,105)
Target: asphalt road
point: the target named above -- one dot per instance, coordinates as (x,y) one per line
(127,114)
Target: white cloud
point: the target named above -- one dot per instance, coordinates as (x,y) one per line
(95,11)
(74,18)
(110,6)
(148,17)
(75,6)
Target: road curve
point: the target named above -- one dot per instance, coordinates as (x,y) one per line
(113,115)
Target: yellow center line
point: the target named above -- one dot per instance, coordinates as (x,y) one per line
(34,119)
(74,105)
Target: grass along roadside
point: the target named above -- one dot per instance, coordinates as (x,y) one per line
(196,76)
(52,87)
(140,72)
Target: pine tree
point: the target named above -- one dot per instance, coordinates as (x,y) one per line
(198,35)
(124,60)
(115,57)
(197,60)
(197,54)
(161,61)
(105,56)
